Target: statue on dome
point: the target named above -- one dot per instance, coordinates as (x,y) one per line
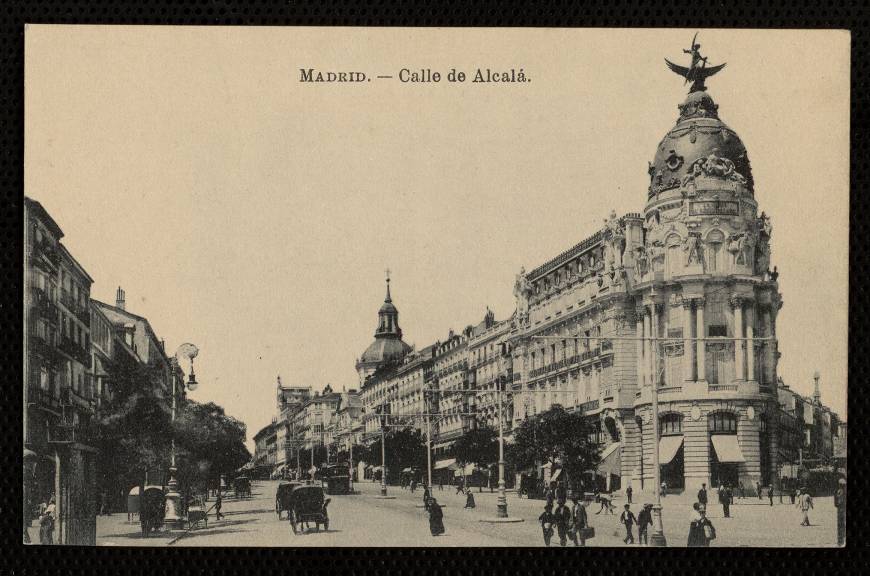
(697,71)
(764,225)
(614,244)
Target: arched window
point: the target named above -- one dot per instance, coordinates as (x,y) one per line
(722,423)
(670,424)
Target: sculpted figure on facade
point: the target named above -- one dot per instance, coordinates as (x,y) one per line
(764,225)
(641,260)
(694,248)
(656,254)
(762,257)
(522,291)
(736,244)
(715,166)
(614,245)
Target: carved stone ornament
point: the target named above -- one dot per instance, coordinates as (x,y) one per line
(695,412)
(750,413)
(676,299)
(673,161)
(713,165)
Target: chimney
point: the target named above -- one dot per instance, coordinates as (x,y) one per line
(119,299)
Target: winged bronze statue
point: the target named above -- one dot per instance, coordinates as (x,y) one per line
(698,71)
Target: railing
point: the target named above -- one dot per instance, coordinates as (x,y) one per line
(43,397)
(45,248)
(723,388)
(75,351)
(588,406)
(669,390)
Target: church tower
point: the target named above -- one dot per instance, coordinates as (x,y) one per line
(388,346)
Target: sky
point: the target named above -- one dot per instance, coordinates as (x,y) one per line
(254,215)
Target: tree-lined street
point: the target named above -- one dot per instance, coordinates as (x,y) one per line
(364,520)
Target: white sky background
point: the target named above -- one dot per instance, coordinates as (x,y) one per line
(254,215)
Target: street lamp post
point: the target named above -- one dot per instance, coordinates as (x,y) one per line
(173,517)
(350,458)
(383,458)
(657,537)
(501,514)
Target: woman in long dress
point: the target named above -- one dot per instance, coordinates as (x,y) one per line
(436,518)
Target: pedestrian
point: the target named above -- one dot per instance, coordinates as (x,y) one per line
(46,522)
(628,492)
(664,490)
(441,485)
(426,497)
(218,503)
(840,503)
(742,489)
(725,500)
(795,493)
(702,495)
(758,489)
(770,494)
(469,499)
(628,520)
(546,519)
(580,522)
(644,519)
(413,486)
(780,493)
(550,494)
(436,518)
(459,487)
(562,521)
(805,503)
(701,530)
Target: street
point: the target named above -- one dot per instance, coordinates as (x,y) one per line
(363,520)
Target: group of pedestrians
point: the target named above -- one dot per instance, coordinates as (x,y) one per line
(568,523)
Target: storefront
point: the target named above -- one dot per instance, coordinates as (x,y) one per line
(725,453)
(671,451)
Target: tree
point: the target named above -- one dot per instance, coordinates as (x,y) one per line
(209,443)
(405,448)
(557,437)
(478,446)
(134,427)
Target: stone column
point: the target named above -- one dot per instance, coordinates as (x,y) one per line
(647,346)
(737,306)
(700,344)
(688,366)
(750,342)
(639,332)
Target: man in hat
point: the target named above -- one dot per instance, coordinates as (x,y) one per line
(701,530)
(563,522)
(644,519)
(547,520)
(840,503)
(702,495)
(628,519)
(805,503)
(580,521)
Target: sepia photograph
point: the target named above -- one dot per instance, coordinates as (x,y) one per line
(435,287)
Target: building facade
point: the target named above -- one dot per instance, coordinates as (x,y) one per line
(58,388)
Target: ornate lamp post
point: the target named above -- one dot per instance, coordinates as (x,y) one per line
(172,517)
(501,514)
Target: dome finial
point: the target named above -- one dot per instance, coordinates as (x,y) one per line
(697,71)
(388,299)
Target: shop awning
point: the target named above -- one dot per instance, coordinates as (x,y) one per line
(468,471)
(450,463)
(610,459)
(727,449)
(668,448)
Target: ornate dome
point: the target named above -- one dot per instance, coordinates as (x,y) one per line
(698,134)
(384,350)
(388,345)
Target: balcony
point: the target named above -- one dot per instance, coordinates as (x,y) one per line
(44,251)
(44,306)
(44,398)
(74,351)
(589,406)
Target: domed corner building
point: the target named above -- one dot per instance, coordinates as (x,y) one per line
(691,273)
(388,347)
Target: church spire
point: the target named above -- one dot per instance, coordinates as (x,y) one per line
(388,316)
(388,298)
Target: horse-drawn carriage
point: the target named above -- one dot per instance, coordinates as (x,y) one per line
(282,497)
(242,487)
(152,509)
(307,504)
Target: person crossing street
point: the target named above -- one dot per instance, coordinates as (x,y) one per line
(628,520)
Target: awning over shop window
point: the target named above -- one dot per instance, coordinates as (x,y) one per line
(450,463)
(727,449)
(468,471)
(611,459)
(668,448)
